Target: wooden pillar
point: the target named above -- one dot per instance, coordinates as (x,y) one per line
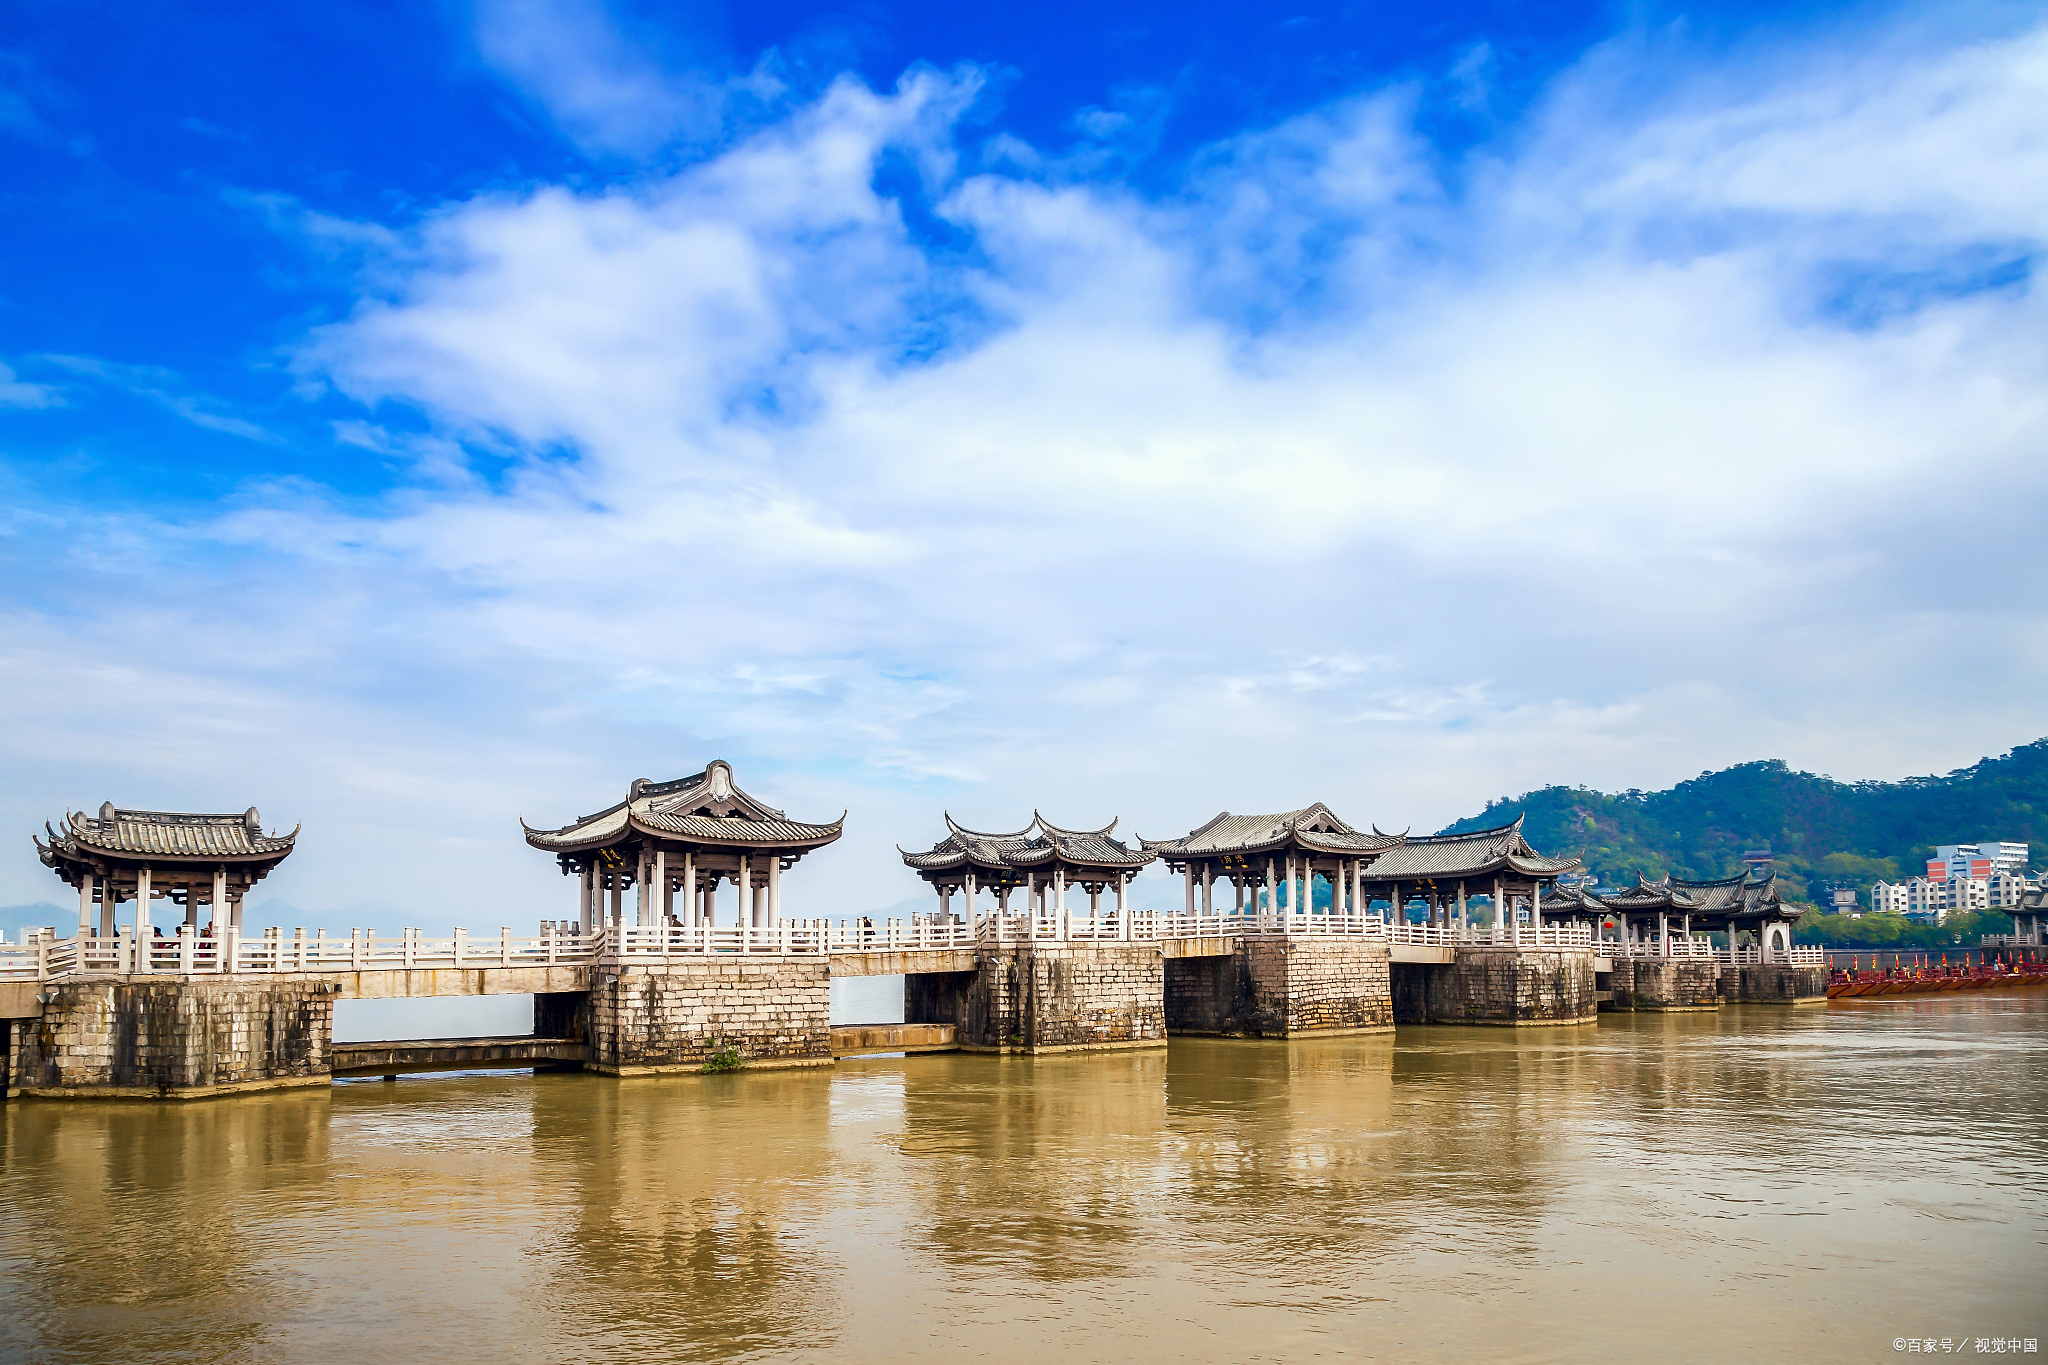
(1272,904)
(618,916)
(1536,909)
(85,925)
(110,907)
(1238,882)
(1208,890)
(1190,879)
(1464,921)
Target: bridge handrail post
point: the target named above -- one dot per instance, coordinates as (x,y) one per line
(461,941)
(320,949)
(504,945)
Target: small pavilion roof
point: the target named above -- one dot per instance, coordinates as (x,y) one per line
(1038,846)
(1314,827)
(704,808)
(1727,898)
(162,836)
(1452,857)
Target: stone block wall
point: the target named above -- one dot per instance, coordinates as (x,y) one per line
(1500,985)
(1279,985)
(771,1011)
(1775,984)
(1665,984)
(1207,995)
(174,1038)
(562,1014)
(1055,996)
(938,997)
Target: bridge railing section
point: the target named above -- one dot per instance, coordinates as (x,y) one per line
(1699,949)
(182,952)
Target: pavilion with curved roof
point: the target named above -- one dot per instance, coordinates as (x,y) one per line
(1276,858)
(186,858)
(1723,905)
(1043,859)
(686,835)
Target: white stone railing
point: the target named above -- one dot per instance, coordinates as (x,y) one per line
(1699,949)
(187,954)
(42,956)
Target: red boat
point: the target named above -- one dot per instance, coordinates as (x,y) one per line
(1925,978)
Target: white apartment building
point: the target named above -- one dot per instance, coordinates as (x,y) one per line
(1986,859)
(1923,898)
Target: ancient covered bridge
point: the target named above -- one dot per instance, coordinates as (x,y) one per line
(1034,945)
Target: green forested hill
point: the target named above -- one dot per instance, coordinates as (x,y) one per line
(1821,830)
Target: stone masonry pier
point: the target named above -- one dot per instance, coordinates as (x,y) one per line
(160,1035)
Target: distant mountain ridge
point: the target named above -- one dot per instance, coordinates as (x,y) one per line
(1820,830)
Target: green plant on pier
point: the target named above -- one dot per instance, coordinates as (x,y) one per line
(724,1057)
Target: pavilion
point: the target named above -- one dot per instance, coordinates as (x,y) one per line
(188,859)
(1042,859)
(686,835)
(1725,905)
(1444,870)
(1277,857)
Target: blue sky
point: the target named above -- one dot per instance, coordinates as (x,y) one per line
(418,417)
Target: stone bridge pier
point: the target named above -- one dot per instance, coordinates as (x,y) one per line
(1047,997)
(1487,984)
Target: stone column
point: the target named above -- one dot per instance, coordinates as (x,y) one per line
(775,889)
(658,894)
(110,908)
(1462,922)
(583,880)
(85,905)
(1190,878)
(1238,882)
(1536,909)
(690,896)
(192,906)
(142,929)
(1272,897)
(220,900)
(1123,906)
(1500,920)
(745,883)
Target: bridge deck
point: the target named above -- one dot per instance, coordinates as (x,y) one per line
(453,1054)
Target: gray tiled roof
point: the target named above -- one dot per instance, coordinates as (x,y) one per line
(1313,827)
(1729,898)
(1466,856)
(139,834)
(1038,846)
(705,808)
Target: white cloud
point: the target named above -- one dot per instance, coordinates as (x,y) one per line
(15,394)
(605,89)
(1345,474)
